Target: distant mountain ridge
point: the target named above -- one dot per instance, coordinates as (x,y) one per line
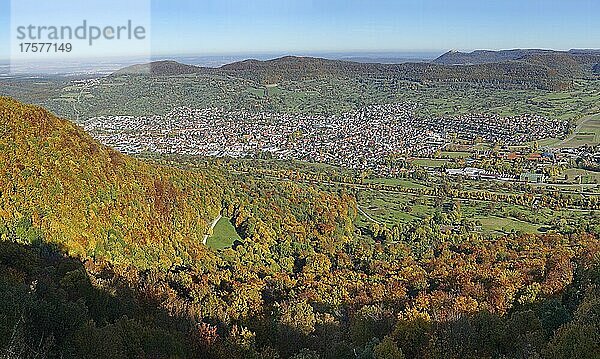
(454,57)
(161,68)
(542,69)
(580,56)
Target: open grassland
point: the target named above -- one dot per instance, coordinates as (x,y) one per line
(582,176)
(500,225)
(224,235)
(491,218)
(393,201)
(394,182)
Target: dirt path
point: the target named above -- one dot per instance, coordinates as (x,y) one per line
(367,215)
(212,226)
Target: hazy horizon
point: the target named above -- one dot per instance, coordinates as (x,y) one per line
(109,64)
(265,26)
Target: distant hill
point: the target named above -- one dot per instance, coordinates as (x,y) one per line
(488,56)
(561,62)
(585,51)
(161,68)
(573,63)
(484,56)
(508,74)
(291,68)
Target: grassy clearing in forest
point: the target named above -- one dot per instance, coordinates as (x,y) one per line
(224,235)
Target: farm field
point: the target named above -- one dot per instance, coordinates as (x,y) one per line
(587,133)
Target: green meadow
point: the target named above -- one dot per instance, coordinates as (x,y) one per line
(224,235)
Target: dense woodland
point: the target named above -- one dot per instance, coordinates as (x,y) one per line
(101,255)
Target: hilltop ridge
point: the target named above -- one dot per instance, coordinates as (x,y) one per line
(574,62)
(522,74)
(160,68)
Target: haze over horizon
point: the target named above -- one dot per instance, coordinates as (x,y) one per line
(185,27)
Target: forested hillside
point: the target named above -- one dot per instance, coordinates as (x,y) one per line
(553,84)
(161,68)
(454,57)
(101,256)
(95,201)
(569,61)
(504,75)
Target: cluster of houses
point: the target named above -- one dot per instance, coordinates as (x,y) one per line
(492,128)
(362,140)
(533,163)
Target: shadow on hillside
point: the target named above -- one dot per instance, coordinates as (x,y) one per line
(49,308)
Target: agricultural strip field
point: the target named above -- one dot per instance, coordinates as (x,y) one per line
(492,218)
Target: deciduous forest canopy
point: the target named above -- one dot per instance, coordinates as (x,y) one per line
(102,256)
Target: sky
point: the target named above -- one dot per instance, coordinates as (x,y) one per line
(351,25)
(4,29)
(205,27)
